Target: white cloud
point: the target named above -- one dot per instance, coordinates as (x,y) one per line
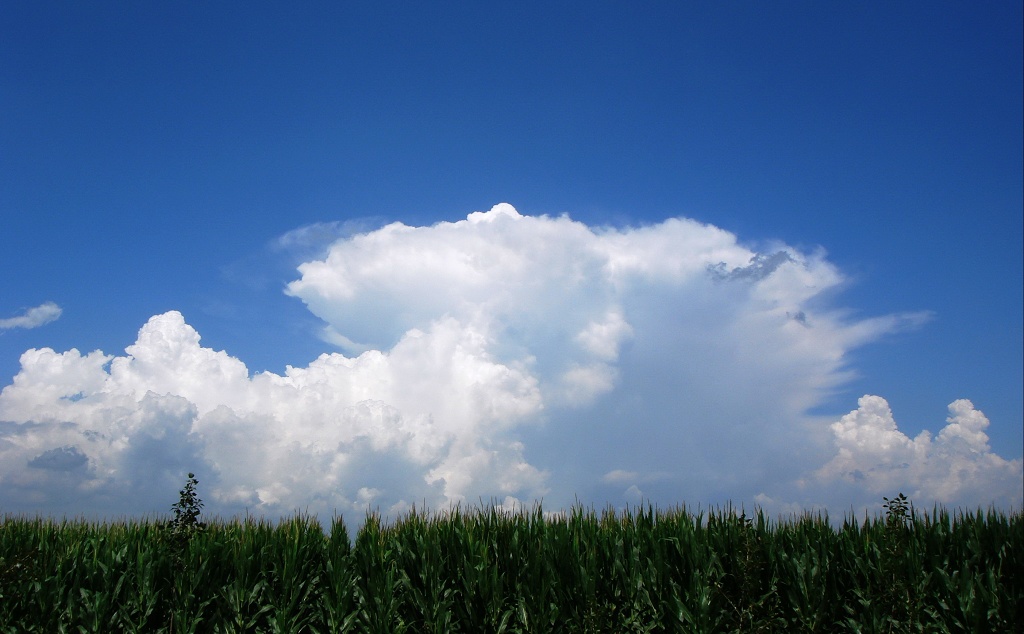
(957,467)
(618,476)
(33,317)
(502,357)
(421,422)
(634,496)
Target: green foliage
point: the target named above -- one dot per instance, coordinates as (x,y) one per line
(899,514)
(186,510)
(641,570)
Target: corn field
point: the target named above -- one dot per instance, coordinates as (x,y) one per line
(488,570)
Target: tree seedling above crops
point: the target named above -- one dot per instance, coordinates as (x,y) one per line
(186,510)
(898,512)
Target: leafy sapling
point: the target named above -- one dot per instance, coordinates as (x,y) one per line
(186,511)
(899,595)
(899,513)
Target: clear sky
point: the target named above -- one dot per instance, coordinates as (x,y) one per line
(645,252)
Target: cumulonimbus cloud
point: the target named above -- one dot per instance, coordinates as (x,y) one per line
(501,357)
(33,317)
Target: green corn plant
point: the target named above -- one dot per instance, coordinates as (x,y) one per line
(379,584)
(298,561)
(140,605)
(339,597)
(639,570)
(18,570)
(533,578)
(242,601)
(480,589)
(429,593)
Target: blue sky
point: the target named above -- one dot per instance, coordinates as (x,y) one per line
(190,158)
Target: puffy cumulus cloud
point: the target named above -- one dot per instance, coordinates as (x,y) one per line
(503,357)
(957,467)
(33,317)
(423,422)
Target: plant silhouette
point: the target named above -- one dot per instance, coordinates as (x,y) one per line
(187,509)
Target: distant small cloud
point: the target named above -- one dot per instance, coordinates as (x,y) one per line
(33,317)
(620,476)
(634,495)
